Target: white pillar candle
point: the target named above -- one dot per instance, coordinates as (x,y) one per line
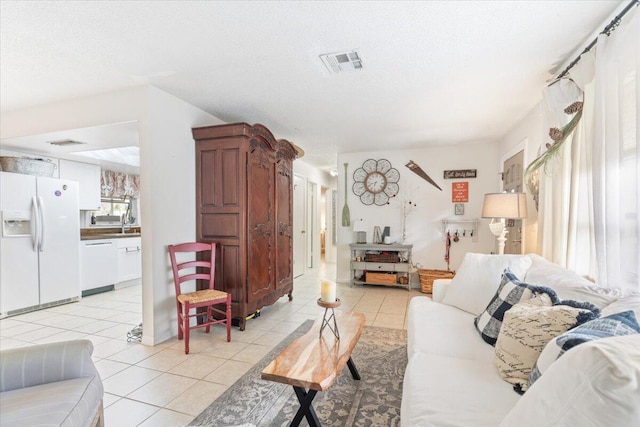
(328,291)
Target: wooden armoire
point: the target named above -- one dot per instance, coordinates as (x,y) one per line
(244,203)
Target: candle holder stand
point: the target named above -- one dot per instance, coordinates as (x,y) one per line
(326,321)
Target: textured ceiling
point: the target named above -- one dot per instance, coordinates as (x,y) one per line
(435,72)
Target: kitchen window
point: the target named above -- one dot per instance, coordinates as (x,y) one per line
(112,209)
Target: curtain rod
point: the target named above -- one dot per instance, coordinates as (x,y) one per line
(607,30)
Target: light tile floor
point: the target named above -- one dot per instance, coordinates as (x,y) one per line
(161,386)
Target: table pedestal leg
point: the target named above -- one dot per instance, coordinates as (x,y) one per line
(306,410)
(354,371)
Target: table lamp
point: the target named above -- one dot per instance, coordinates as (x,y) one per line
(503,206)
(361,229)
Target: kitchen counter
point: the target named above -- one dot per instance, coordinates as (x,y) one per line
(108,233)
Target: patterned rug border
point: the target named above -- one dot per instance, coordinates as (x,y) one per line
(208,418)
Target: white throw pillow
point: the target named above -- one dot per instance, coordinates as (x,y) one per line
(594,384)
(478,278)
(629,302)
(567,284)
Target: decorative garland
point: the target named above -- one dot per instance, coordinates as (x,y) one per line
(559,136)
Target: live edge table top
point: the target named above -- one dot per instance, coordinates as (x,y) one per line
(314,363)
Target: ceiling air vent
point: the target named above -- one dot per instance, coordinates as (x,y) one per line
(342,61)
(65,142)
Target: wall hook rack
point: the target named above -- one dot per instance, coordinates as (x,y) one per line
(474,226)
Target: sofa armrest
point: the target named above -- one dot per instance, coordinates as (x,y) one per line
(439,290)
(45,363)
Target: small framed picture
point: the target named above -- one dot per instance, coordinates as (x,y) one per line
(459,208)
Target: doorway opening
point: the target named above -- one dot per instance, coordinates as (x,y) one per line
(512,180)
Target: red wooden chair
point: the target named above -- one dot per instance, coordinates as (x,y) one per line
(198,269)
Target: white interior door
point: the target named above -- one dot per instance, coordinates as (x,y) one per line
(299,224)
(313,235)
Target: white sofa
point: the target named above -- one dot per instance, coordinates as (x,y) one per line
(451,380)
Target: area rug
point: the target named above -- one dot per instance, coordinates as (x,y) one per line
(381,359)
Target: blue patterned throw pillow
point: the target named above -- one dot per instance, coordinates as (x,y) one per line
(624,323)
(510,292)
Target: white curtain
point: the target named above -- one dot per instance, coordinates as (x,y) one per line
(564,217)
(589,216)
(616,156)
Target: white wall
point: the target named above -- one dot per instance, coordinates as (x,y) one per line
(167,172)
(530,131)
(424,226)
(167,153)
(108,108)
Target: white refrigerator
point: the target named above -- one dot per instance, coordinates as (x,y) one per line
(40,241)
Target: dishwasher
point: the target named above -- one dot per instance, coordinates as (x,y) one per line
(98,266)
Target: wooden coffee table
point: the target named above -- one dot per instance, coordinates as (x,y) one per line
(311,364)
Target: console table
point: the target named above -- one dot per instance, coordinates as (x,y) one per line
(389,268)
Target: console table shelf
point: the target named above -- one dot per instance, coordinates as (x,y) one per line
(380,264)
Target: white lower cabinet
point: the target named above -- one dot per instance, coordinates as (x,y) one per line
(98,263)
(129,259)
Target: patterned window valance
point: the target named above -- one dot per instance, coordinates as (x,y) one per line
(118,185)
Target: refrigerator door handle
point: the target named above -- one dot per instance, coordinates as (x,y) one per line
(42,230)
(35,223)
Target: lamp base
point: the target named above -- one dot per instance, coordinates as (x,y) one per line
(499,229)
(501,241)
(361,237)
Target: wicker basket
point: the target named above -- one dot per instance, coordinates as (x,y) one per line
(27,166)
(428,276)
(381,278)
(382,257)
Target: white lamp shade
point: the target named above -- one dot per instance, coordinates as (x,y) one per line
(505,205)
(359,226)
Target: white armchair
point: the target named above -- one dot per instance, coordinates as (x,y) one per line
(53,384)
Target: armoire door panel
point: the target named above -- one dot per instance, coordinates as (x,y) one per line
(228,269)
(284,266)
(220,226)
(284,220)
(207,168)
(259,268)
(231,188)
(260,279)
(260,187)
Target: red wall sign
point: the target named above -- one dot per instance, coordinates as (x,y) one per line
(460,192)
